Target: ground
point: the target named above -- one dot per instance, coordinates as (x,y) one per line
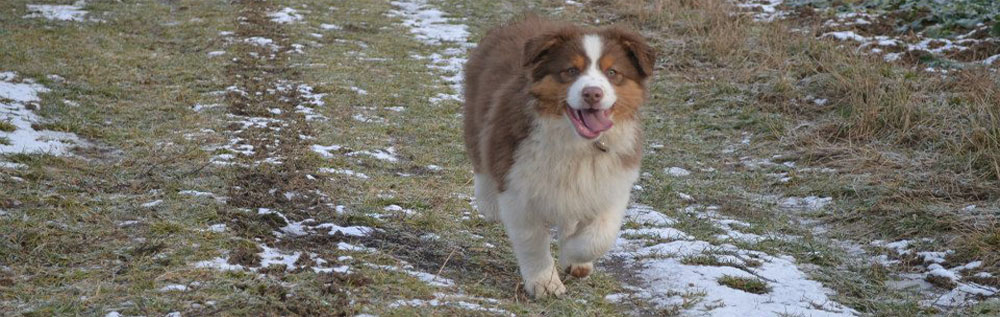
(303,157)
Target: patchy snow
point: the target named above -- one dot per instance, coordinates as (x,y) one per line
(430,279)
(350,247)
(466,302)
(990,60)
(152,203)
(329,27)
(964,293)
(263,42)
(359,91)
(174,288)
(325,150)
(677,171)
(388,155)
(430,26)
(219,227)
(18,102)
(12,165)
(399,209)
(285,16)
(763,10)
(666,279)
(342,171)
(846,35)
(271,256)
(72,12)
(810,203)
(195,193)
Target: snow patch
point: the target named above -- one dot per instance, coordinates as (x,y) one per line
(665,278)
(285,16)
(677,171)
(18,102)
(73,12)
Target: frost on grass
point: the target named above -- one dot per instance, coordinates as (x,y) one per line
(18,101)
(73,12)
(670,280)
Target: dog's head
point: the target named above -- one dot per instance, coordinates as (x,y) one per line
(593,77)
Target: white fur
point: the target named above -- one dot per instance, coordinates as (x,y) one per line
(593,46)
(561,180)
(486,197)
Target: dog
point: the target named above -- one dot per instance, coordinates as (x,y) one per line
(552,127)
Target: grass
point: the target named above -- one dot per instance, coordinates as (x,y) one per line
(909,151)
(6,126)
(746,284)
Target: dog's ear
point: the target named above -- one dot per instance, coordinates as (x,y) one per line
(539,46)
(641,54)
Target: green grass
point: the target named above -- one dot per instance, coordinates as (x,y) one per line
(746,284)
(6,126)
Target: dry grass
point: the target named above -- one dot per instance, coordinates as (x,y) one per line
(911,148)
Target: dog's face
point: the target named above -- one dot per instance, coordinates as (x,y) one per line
(593,78)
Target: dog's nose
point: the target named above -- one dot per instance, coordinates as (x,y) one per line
(592,95)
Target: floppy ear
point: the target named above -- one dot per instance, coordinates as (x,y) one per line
(641,54)
(537,47)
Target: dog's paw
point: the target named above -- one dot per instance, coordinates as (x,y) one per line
(545,285)
(580,270)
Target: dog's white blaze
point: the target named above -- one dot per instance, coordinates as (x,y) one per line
(593,46)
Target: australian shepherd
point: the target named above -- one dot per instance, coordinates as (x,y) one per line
(552,128)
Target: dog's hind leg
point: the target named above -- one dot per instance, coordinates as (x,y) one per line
(486,197)
(580,246)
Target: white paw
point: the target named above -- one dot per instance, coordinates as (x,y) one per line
(545,284)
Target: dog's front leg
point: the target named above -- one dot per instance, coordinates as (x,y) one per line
(580,246)
(529,235)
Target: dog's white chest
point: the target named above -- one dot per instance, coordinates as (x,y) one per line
(559,175)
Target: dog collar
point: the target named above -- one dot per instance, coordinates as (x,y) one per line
(599,144)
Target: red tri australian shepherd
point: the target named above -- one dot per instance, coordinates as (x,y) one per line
(552,128)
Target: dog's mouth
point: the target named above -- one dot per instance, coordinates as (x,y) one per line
(589,123)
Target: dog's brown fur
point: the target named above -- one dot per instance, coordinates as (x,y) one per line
(516,74)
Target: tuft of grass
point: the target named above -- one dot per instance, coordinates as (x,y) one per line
(746,284)
(6,126)
(702,259)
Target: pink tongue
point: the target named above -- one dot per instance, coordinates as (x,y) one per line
(597,121)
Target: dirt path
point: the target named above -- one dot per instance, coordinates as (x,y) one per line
(304,158)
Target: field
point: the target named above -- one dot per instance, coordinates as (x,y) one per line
(303,157)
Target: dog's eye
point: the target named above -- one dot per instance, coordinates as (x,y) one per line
(612,73)
(572,71)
